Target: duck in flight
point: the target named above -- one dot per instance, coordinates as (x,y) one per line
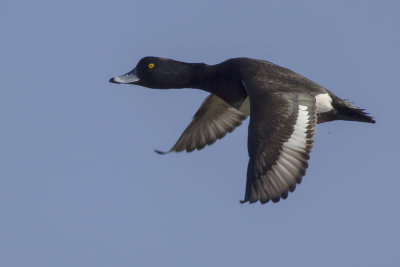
(284,108)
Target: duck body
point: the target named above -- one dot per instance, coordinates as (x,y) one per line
(284,108)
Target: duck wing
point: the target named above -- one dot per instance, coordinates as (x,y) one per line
(281,135)
(214,119)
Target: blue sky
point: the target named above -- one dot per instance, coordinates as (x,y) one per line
(80,184)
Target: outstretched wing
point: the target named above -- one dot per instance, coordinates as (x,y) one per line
(281,135)
(212,121)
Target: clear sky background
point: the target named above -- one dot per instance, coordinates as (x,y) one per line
(80,184)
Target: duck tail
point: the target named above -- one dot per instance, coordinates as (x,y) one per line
(346,111)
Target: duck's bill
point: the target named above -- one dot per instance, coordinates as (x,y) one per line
(130,77)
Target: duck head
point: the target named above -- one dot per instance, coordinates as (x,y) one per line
(160,73)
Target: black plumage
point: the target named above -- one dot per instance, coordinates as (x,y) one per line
(284,108)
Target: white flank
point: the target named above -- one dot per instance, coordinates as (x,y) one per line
(323,103)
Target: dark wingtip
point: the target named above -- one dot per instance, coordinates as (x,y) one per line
(261,202)
(161,152)
(276,199)
(112,80)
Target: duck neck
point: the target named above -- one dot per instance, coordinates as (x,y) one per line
(221,80)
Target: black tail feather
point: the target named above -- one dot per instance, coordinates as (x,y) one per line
(346,111)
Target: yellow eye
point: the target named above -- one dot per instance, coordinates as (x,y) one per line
(151,65)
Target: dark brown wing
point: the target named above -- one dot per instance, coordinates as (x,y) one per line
(281,134)
(214,119)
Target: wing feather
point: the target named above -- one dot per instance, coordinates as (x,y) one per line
(281,135)
(214,119)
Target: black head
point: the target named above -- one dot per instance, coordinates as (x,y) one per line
(155,72)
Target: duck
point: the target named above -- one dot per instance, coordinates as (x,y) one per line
(284,108)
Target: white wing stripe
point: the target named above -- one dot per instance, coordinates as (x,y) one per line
(291,155)
(277,169)
(290,161)
(297,146)
(290,167)
(286,174)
